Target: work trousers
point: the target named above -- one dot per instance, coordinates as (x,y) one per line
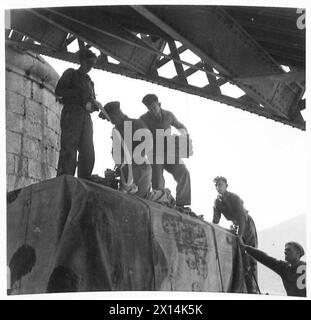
(250,234)
(142,174)
(250,238)
(181,176)
(76,136)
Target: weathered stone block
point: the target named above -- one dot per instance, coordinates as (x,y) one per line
(14,122)
(49,100)
(13,142)
(53,121)
(34,111)
(51,156)
(22,182)
(31,148)
(56,108)
(51,138)
(38,92)
(10,182)
(35,169)
(33,129)
(21,166)
(50,172)
(15,102)
(10,163)
(17,83)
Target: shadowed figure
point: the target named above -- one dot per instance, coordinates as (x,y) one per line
(21,263)
(62,280)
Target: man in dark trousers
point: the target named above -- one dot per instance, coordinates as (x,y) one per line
(76,90)
(292,271)
(138,168)
(157,118)
(231,206)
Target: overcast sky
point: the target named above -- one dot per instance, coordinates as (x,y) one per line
(264,161)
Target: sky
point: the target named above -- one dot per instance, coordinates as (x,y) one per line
(264,161)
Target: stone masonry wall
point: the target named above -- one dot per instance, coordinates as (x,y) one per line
(32,120)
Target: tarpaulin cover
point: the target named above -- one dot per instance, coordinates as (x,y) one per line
(69,234)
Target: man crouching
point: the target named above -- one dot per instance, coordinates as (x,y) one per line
(136,173)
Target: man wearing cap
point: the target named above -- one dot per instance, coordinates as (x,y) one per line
(76,90)
(292,270)
(126,128)
(158,118)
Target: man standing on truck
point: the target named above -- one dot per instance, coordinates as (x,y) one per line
(124,130)
(76,90)
(157,118)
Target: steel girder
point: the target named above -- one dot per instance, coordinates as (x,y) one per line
(227,53)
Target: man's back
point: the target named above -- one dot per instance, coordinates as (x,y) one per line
(127,129)
(75,87)
(163,156)
(293,278)
(165,121)
(230,205)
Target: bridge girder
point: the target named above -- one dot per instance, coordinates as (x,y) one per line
(143,40)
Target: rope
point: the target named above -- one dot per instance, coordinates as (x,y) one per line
(248,271)
(217,258)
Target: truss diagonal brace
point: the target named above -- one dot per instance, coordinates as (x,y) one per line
(230,50)
(175,35)
(179,69)
(86,34)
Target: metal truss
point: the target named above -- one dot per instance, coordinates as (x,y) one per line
(145,40)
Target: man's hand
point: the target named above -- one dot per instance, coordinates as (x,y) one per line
(90,107)
(234,229)
(102,116)
(97,105)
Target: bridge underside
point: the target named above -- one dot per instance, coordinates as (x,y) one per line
(201,50)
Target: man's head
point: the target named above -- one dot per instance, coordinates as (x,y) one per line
(221,184)
(112,113)
(293,252)
(87,59)
(151,101)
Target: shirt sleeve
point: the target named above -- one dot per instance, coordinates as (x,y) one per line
(216,212)
(239,212)
(277,266)
(175,123)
